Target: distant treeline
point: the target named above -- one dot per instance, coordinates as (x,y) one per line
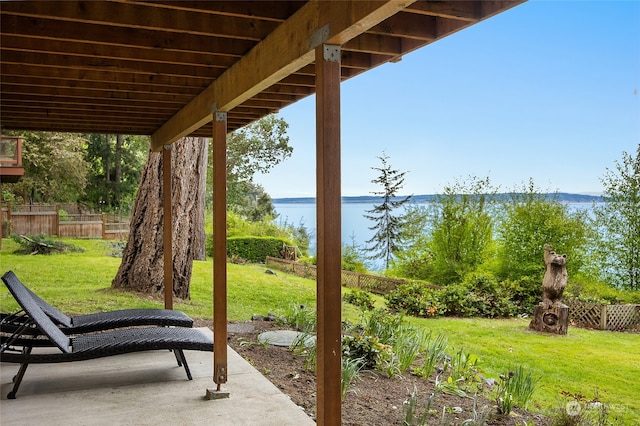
(560,196)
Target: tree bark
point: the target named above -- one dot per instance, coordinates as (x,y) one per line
(142,263)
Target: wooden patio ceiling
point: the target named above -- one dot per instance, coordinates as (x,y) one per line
(156,68)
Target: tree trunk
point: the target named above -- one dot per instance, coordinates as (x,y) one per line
(142,258)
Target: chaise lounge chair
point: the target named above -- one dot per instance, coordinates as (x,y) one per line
(89,346)
(99,321)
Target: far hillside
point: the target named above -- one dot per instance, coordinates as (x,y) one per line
(560,196)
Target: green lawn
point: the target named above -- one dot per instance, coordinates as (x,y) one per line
(582,362)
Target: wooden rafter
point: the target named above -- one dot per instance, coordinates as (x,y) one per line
(287,49)
(99,56)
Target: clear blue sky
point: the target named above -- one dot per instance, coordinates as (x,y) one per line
(548,90)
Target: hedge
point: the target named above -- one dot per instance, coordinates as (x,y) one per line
(253,249)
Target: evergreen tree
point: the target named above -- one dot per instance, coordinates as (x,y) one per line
(387,240)
(618,248)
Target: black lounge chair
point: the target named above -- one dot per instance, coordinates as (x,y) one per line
(99,321)
(90,346)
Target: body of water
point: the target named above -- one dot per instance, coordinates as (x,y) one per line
(355,227)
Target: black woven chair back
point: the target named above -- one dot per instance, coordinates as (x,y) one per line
(30,305)
(57,316)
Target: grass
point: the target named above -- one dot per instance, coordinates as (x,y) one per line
(582,362)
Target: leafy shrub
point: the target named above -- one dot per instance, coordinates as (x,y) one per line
(359,298)
(525,292)
(366,348)
(41,244)
(413,299)
(590,290)
(253,249)
(63,216)
(479,295)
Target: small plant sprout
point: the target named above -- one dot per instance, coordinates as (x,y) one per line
(514,388)
(435,353)
(350,372)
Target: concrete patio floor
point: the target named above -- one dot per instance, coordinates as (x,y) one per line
(145,388)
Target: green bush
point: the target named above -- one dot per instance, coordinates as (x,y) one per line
(253,249)
(413,299)
(525,292)
(591,290)
(479,295)
(366,348)
(359,298)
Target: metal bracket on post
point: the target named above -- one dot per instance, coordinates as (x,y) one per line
(221,377)
(331,52)
(221,116)
(167,147)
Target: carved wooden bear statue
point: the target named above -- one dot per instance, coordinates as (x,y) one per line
(555,277)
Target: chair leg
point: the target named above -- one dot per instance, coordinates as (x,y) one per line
(177,357)
(18,377)
(180,353)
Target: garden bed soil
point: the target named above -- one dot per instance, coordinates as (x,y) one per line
(375,399)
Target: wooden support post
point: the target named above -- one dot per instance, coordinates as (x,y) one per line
(220,370)
(329,243)
(167,234)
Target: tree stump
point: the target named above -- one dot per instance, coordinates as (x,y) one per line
(550,318)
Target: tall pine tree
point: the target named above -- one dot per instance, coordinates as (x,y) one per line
(387,240)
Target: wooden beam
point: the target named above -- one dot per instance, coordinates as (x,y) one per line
(220,370)
(52,83)
(82,48)
(329,324)
(145,16)
(80,77)
(464,10)
(82,102)
(116,66)
(285,50)
(131,37)
(167,233)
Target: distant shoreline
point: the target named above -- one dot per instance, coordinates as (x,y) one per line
(560,196)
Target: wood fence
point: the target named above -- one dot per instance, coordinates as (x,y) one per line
(372,283)
(604,317)
(36,219)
